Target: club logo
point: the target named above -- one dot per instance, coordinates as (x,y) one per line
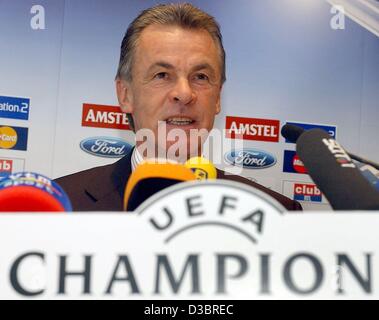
(250,158)
(307,192)
(107,147)
(5,167)
(10,165)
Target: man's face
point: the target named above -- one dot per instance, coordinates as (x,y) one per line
(176,81)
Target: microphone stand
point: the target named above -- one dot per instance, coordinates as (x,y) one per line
(363,160)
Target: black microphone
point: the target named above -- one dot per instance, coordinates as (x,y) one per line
(333,171)
(292,132)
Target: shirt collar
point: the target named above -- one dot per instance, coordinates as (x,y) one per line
(136,158)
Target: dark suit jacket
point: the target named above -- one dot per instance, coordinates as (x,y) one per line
(102,188)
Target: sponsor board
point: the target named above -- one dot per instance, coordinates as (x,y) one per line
(250,158)
(108,147)
(252,129)
(332,130)
(303,191)
(13,138)
(10,165)
(292,163)
(14,108)
(100,116)
(203,240)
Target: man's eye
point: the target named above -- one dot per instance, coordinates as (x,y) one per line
(161,75)
(201,76)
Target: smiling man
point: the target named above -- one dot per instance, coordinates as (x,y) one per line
(169,81)
(170,75)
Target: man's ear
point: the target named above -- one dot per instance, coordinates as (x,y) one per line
(218,102)
(124,95)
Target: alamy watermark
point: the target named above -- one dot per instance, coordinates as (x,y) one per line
(337,22)
(179,144)
(38,20)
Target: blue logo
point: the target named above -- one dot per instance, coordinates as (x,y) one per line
(14,108)
(250,158)
(107,147)
(332,130)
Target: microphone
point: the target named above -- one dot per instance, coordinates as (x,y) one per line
(333,171)
(150,177)
(28,191)
(202,168)
(292,132)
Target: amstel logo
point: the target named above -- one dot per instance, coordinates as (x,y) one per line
(8,137)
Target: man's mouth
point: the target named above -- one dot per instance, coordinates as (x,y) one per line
(179,121)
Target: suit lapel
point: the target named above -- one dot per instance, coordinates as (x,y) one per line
(107,190)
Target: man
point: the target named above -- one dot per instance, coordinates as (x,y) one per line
(170,76)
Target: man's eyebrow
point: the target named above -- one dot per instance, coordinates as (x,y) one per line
(202,66)
(162,64)
(167,65)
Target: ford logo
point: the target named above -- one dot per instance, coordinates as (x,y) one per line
(105,147)
(250,158)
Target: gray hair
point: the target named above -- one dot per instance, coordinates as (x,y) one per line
(184,15)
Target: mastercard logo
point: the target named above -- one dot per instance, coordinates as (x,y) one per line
(298,165)
(8,137)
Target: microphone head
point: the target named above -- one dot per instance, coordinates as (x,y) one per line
(202,168)
(149,178)
(28,191)
(333,171)
(291,132)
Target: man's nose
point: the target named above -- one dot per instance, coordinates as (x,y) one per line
(182,92)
